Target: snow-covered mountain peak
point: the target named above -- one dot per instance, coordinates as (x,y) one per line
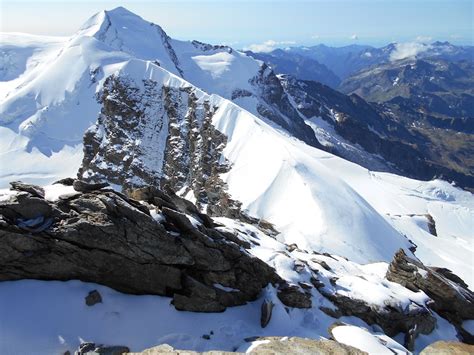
(127,32)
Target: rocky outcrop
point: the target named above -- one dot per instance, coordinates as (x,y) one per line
(150,134)
(451,297)
(394,317)
(276,106)
(104,237)
(392,320)
(448,347)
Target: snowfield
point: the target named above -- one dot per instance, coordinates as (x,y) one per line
(318,201)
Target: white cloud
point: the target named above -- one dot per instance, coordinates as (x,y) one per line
(267,46)
(408,50)
(354,37)
(315,37)
(423,39)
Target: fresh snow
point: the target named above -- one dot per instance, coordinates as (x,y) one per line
(316,200)
(365,341)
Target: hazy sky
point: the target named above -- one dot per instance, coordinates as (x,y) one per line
(266,23)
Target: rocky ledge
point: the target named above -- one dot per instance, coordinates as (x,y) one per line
(160,246)
(451,297)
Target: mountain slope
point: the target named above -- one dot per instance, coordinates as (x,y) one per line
(146,121)
(434,99)
(295,175)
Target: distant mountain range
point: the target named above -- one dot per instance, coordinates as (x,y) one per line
(348,60)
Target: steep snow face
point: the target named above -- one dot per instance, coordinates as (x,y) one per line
(289,184)
(126,32)
(216,69)
(21,53)
(43,118)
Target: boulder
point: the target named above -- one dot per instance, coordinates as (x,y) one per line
(83,186)
(25,206)
(34,190)
(292,296)
(65,181)
(93,298)
(451,297)
(266,313)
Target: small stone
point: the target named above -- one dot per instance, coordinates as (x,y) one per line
(299,266)
(266,313)
(86,347)
(292,247)
(93,298)
(206,336)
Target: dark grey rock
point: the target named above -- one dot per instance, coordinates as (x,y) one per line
(65,181)
(34,190)
(83,186)
(266,313)
(106,238)
(292,296)
(93,298)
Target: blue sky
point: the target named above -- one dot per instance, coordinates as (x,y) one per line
(264,23)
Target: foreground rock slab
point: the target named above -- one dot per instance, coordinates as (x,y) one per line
(271,345)
(104,237)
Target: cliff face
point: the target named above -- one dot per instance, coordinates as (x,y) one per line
(152,134)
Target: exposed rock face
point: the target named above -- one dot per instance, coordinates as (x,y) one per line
(276,106)
(149,134)
(392,316)
(392,320)
(448,347)
(451,297)
(272,345)
(292,296)
(104,237)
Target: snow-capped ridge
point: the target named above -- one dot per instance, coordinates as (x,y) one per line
(127,32)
